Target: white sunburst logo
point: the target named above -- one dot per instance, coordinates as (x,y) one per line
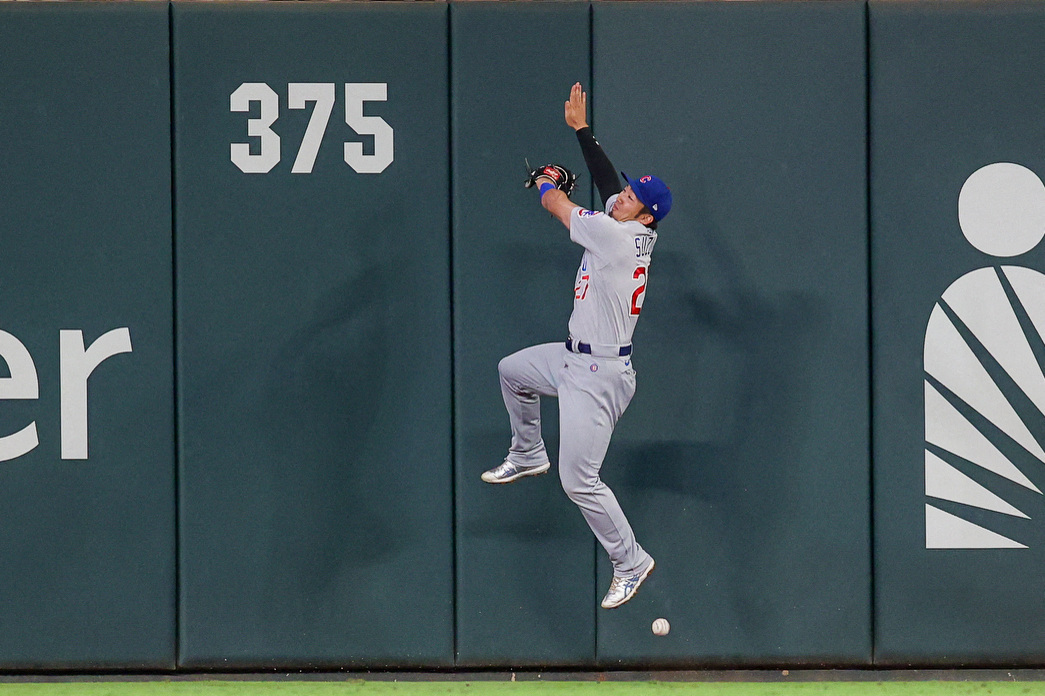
(984,385)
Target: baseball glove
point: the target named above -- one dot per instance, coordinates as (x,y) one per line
(564,179)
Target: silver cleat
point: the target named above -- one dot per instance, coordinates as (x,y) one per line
(624,588)
(507,472)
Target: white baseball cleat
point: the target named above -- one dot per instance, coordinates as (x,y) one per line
(507,472)
(624,588)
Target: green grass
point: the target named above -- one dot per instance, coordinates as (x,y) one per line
(532,688)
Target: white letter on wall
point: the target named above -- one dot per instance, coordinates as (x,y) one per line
(22,384)
(77,365)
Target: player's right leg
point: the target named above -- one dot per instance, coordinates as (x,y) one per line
(526,376)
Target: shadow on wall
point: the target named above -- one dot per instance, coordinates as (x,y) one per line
(733,361)
(326,381)
(717,437)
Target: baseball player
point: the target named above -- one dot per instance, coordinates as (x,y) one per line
(591,373)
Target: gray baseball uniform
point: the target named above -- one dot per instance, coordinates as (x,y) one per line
(591,374)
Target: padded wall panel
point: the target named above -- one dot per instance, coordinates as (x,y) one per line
(955,93)
(314,342)
(525,583)
(743,459)
(87,578)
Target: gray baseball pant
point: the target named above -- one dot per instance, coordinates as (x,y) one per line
(592,393)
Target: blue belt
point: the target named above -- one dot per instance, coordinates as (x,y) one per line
(586,348)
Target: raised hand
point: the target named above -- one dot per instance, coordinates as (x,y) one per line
(577,108)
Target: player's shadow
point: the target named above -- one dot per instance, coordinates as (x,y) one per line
(728,368)
(721,424)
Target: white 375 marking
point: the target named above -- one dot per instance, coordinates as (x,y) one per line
(298,96)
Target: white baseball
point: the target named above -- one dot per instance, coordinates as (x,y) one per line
(661,627)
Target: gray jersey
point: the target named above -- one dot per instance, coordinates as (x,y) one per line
(611,280)
(593,390)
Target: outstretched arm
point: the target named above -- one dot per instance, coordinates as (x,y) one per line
(599,165)
(556,202)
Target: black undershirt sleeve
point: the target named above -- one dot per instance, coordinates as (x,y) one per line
(599,165)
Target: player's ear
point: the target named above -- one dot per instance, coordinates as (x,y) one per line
(646,218)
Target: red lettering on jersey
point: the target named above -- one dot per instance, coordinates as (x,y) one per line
(581,291)
(640,292)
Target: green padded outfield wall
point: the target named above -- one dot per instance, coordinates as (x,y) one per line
(87,579)
(327,451)
(313,307)
(743,459)
(958,211)
(525,577)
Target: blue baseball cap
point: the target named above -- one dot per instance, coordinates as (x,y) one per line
(653,193)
